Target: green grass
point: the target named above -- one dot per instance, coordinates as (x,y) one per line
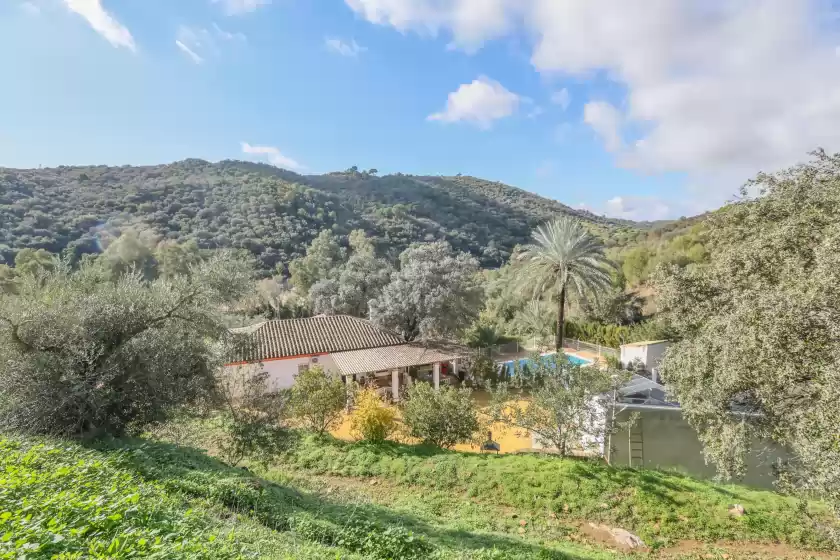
(333,500)
(659,506)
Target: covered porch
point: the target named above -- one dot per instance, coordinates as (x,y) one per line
(390,368)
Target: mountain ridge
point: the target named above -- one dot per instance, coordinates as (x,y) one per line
(272,212)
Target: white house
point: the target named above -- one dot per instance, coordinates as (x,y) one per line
(649,353)
(348,346)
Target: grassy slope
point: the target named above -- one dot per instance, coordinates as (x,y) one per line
(144,498)
(659,506)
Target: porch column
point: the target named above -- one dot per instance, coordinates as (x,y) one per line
(436,375)
(395,384)
(455,364)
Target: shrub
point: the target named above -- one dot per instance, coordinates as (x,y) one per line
(84,354)
(252,417)
(317,399)
(372,420)
(441,418)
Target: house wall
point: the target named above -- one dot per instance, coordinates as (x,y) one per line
(654,355)
(630,353)
(281,373)
(670,443)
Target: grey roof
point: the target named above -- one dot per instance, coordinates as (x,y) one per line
(392,357)
(640,390)
(313,335)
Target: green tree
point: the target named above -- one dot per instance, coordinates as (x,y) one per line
(760,355)
(566,405)
(132,251)
(8,282)
(435,293)
(350,286)
(322,256)
(443,417)
(174,258)
(534,320)
(84,355)
(34,262)
(564,258)
(317,399)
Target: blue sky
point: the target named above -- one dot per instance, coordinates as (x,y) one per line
(634,113)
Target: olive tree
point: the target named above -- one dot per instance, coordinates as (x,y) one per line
(443,417)
(564,404)
(760,354)
(317,399)
(85,354)
(435,293)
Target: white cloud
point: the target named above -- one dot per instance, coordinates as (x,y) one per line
(714,88)
(30,8)
(471,22)
(189,52)
(351,49)
(103,22)
(273,155)
(200,44)
(235,7)
(227,35)
(561,98)
(480,103)
(606,121)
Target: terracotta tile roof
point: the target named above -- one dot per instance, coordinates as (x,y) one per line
(392,357)
(313,335)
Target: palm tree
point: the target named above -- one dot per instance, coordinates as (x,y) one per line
(533,320)
(565,257)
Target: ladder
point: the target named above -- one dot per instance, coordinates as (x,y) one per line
(637,444)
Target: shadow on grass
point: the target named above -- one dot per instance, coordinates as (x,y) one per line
(193,473)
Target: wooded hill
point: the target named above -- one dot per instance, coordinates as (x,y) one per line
(275,213)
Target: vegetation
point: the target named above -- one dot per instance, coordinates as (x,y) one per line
(371,419)
(564,260)
(434,294)
(560,402)
(252,417)
(497,492)
(87,354)
(440,418)
(759,354)
(317,399)
(613,335)
(272,213)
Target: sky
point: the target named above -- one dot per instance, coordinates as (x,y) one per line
(639,109)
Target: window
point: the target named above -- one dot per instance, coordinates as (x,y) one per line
(302,368)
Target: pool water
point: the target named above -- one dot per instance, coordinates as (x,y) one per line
(525,362)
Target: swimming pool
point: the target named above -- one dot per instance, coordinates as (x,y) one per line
(525,362)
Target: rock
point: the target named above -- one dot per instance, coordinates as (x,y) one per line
(621,537)
(737,510)
(627,539)
(604,506)
(523,522)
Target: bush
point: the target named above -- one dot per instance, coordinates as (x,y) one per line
(441,418)
(616,335)
(372,420)
(83,354)
(252,417)
(317,399)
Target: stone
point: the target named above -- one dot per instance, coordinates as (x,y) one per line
(523,522)
(737,510)
(627,539)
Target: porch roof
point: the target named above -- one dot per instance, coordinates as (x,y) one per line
(370,360)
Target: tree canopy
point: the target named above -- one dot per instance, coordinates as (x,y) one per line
(761,325)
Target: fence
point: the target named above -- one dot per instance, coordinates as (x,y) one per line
(514,349)
(598,349)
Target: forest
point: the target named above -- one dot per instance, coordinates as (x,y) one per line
(275,214)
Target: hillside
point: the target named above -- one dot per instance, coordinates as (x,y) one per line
(272,212)
(329,500)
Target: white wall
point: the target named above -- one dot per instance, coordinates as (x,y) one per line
(631,353)
(654,355)
(281,373)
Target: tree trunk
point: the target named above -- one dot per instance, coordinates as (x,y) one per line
(560,331)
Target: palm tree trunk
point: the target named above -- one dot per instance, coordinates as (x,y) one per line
(560,331)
